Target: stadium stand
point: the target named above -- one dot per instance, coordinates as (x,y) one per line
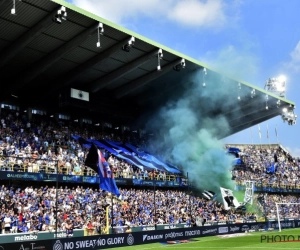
(36,147)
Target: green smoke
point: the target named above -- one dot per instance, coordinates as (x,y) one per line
(188,133)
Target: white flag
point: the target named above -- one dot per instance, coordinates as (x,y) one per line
(259,132)
(229,200)
(79,94)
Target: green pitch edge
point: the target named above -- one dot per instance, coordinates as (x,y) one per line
(158,45)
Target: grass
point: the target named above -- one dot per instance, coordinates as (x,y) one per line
(250,241)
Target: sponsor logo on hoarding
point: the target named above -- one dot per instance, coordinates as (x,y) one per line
(223,230)
(234,229)
(173,235)
(210,231)
(153,237)
(26,237)
(192,232)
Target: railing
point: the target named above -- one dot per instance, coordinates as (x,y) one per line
(271,188)
(18,168)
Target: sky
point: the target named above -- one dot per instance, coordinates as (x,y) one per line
(250,40)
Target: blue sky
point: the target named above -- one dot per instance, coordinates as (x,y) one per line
(250,40)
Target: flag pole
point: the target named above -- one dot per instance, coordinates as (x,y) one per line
(259,133)
(112,213)
(56,202)
(268,137)
(154,217)
(276,134)
(107,219)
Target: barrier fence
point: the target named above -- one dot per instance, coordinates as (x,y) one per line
(138,238)
(36,169)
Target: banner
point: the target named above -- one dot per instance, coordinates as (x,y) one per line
(9,175)
(142,237)
(24,237)
(79,94)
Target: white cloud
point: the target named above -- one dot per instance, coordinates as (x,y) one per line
(198,13)
(194,13)
(237,63)
(294,63)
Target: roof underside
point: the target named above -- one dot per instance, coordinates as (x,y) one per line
(41,60)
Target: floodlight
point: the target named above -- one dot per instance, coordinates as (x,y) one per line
(13,11)
(182,63)
(204,73)
(100,31)
(289,116)
(129,44)
(252,93)
(276,85)
(160,53)
(131,41)
(61,15)
(177,67)
(159,57)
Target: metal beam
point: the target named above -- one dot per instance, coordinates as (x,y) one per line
(104,81)
(54,56)
(4,1)
(241,126)
(140,82)
(21,42)
(67,78)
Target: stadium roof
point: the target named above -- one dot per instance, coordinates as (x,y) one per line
(41,60)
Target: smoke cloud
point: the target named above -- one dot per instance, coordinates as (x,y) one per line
(188,129)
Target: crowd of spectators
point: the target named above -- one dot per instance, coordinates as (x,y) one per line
(258,162)
(267,204)
(36,146)
(33,209)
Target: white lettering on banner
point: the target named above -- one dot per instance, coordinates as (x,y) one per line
(68,245)
(85,244)
(208,231)
(26,237)
(60,235)
(101,242)
(153,237)
(192,232)
(33,247)
(234,229)
(223,230)
(115,241)
(173,235)
(148,228)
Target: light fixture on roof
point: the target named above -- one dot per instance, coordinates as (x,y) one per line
(278,103)
(126,47)
(289,115)
(204,73)
(177,67)
(267,98)
(252,93)
(61,15)
(160,55)
(276,85)
(13,10)
(239,91)
(100,30)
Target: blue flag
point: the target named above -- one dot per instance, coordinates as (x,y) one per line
(97,162)
(271,169)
